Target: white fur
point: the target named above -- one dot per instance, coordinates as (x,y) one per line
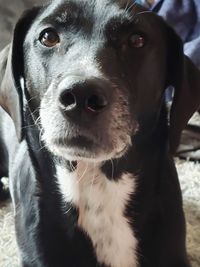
(101,204)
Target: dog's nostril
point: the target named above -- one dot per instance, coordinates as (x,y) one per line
(68,100)
(96,103)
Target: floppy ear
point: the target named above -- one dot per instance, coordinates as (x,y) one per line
(185,78)
(12,72)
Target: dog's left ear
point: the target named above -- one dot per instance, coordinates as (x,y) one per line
(12,72)
(185,78)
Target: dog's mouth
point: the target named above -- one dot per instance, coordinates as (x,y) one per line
(81,147)
(78,142)
(76,147)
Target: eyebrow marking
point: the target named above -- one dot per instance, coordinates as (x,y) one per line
(117,26)
(70,14)
(65,13)
(68,11)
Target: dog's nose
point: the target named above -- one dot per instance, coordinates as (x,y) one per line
(87,96)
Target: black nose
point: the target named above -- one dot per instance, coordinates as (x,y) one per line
(88,96)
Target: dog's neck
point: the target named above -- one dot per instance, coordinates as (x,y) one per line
(101,203)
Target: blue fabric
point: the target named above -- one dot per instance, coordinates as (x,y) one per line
(184,17)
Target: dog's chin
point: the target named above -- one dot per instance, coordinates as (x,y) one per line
(87,152)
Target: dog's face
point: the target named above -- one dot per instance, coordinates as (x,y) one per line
(96,71)
(91,65)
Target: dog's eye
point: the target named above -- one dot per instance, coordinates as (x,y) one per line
(137,41)
(49,38)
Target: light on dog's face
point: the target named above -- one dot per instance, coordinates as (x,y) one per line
(87,64)
(137,41)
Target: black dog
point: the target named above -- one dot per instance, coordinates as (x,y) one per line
(92,178)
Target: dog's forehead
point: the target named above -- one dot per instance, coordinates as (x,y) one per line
(88,8)
(95,11)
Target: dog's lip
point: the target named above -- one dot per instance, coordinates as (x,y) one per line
(77,147)
(79,141)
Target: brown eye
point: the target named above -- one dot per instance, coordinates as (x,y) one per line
(137,41)
(49,38)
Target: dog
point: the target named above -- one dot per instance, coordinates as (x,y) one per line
(87,140)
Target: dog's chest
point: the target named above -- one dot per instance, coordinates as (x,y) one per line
(101,205)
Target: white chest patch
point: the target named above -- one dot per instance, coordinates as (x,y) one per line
(101,204)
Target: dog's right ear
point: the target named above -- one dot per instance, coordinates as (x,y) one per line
(12,72)
(184,76)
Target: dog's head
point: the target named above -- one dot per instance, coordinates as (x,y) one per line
(96,72)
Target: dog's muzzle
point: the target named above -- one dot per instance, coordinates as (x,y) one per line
(85,118)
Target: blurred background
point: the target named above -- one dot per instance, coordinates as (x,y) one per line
(10,10)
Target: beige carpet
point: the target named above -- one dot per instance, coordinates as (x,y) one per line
(189,173)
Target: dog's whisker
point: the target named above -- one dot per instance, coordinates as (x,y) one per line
(72,166)
(129,7)
(28,126)
(112,170)
(31,115)
(41,148)
(93,178)
(37,121)
(40,138)
(143,12)
(69,210)
(83,174)
(35,111)
(34,97)
(126,7)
